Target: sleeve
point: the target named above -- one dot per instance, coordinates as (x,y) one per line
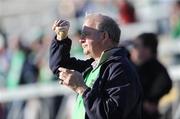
(161,86)
(114,99)
(60,57)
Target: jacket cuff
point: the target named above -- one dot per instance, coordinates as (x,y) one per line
(61,41)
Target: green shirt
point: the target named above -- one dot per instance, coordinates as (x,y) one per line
(79,112)
(15,69)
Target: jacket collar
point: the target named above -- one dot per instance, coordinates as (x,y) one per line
(109,54)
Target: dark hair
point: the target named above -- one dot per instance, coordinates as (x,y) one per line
(150,41)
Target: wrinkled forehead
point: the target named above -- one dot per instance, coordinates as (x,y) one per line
(93,21)
(89,29)
(88,25)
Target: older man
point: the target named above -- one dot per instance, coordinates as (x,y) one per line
(107,84)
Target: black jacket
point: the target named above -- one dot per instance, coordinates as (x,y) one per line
(155,80)
(116,93)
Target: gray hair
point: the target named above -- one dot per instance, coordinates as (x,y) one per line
(107,24)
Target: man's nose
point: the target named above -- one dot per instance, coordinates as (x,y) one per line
(82,40)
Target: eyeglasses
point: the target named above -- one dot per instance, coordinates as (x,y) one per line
(85,34)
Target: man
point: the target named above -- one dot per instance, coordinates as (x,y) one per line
(153,75)
(107,84)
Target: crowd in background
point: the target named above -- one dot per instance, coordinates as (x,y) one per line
(24,55)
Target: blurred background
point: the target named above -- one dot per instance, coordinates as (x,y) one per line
(28,89)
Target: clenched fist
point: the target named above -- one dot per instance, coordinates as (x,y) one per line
(72,79)
(61,27)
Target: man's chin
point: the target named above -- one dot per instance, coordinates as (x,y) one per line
(86,53)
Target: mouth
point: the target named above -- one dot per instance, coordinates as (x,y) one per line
(83,46)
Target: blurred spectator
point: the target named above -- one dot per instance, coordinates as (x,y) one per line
(23,68)
(35,43)
(4,61)
(28,55)
(153,75)
(127,12)
(4,65)
(175,19)
(16,64)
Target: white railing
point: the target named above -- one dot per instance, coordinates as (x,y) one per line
(33,94)
(32,91)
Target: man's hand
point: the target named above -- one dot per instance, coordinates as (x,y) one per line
(72,79)
(61,27)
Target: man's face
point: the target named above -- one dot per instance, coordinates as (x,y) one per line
(91,40)
(142,53)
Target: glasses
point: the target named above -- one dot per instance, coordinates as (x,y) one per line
(85,34)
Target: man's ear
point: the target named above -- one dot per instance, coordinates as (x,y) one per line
(105,35)
(106,40)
